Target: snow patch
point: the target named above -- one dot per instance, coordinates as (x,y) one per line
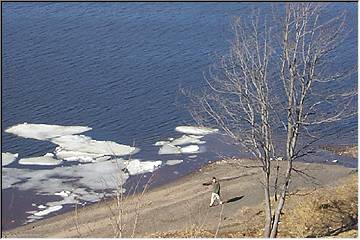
(44,131)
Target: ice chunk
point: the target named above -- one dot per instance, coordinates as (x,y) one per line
(169,149)
(44,131)
(89,177)
(136,167)
(84,180)
(34,217)
(192,156)
(160,143)
(195,130)
(46,160)
(48,210)
(79,156)
(7,158)
(103,158)
(81,143)
(173,162)
(71,199)
(11,176)
(41,207)
(63,193)
(190,149)
(196,136)
(100,175)
(30,212)
(185,139)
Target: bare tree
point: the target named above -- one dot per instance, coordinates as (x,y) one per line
(279,81)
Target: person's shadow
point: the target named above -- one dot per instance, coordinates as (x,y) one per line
(234,199)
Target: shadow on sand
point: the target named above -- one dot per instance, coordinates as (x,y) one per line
(234,199)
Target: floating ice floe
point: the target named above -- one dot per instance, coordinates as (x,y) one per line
(46,160)
(12,176)
(195,130)
(136,167)
(63,193)
(161,143)
(96,176)
(7,158)
(185,139)
(169,149)
(190,149)
(100,175)
(173,162)
(79,156)
(44,131)
(48,210)
(71,199)
(84,144)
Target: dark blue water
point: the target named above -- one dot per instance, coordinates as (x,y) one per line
(116,67)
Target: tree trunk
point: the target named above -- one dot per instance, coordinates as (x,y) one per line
(280,206)
(268,224)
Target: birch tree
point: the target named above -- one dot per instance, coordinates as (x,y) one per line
(279,80)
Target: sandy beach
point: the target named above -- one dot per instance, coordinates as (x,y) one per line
(183,204)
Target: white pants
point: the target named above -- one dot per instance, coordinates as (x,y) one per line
(215,196)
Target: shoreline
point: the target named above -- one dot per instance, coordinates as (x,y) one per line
(166,198)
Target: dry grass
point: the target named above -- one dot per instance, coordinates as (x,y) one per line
(325,212)
(194,233)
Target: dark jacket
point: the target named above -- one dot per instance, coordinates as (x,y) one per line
(216,187)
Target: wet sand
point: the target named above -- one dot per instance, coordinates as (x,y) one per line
(180,205)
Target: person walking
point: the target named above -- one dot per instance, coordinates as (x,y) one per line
(215,195)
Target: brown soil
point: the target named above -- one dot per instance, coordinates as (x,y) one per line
(183,206)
